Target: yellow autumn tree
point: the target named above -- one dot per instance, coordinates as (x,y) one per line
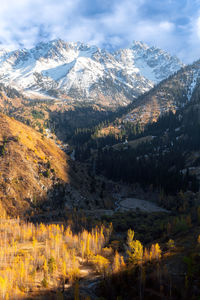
(116,262)
(135,248)
(155,252)
(101,264)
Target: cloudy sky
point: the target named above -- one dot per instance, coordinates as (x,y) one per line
(173,25)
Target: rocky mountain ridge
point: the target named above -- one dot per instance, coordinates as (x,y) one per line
(169,95)
(77,72)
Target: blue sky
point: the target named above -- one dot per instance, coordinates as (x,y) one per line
(173,25)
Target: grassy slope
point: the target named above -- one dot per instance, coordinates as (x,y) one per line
(23,165)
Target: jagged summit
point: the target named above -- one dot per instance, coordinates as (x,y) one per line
(152,63)
(80,71)
(139,44)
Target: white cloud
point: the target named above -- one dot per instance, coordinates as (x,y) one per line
(189,44)
(197,29)
(28,21)
(167,26)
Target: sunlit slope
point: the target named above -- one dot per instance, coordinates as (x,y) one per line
(29,165)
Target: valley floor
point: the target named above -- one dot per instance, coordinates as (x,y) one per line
(138,204)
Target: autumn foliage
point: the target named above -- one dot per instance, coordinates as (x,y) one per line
(38,257)
(41,256)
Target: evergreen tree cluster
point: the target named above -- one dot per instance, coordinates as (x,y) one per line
(161,162)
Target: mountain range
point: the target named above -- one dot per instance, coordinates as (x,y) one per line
(79,72)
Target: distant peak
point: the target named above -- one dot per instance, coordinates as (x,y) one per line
(43,44)
(59,43)
(4,51)
(139,44)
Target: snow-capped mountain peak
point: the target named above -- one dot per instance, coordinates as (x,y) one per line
(139,45)
(81,71)
(152,63)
